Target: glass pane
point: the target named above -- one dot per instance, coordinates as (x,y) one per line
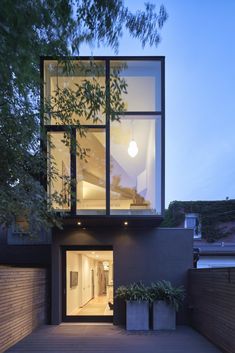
(191,222)
(59,167)
(143,80)
(86,81)
(135,166)
(89,283)
(91,173)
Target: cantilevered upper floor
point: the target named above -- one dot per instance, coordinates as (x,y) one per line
(116,117)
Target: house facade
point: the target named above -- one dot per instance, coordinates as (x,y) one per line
(112,185)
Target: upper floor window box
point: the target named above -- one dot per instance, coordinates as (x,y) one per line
(115,113)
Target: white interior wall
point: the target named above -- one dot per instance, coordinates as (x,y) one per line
(110,272)
(150,166)
(137,87)
(79,295)
(79,280)
(60,155)
(150,180)
(158,166)
(72,293)
(87,265)
(96,278)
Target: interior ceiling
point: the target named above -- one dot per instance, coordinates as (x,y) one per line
(137,67)
(72,81)
(99,255)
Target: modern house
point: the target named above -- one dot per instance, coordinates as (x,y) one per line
(112,214)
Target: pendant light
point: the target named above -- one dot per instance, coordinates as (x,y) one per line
(132,148)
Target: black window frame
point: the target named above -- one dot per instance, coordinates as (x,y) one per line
(80,318)
(53,128)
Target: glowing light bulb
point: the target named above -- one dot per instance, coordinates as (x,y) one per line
(132,148)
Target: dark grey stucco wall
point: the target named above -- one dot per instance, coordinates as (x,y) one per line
(32,254)
(146,254)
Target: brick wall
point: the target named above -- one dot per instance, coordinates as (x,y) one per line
(23,302)
(212,304)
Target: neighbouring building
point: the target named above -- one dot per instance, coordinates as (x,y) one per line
(213,225)
(112,215)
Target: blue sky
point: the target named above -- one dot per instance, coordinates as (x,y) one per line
(198,41)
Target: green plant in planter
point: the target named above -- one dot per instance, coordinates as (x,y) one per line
(163,290)
(136,296)
(133,292)
(166,301)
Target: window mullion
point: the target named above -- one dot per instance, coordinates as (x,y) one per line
(107,81)
(73,170)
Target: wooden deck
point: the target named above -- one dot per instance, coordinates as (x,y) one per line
(68,338)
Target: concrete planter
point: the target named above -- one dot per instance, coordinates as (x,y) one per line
(137,316)
(164,316)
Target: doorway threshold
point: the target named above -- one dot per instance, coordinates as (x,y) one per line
(86,323)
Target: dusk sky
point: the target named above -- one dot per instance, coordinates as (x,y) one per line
(198,43)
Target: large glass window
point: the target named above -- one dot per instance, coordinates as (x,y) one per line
(91,172)
(59,168)
(84,81)
(135,165)
(143,84)
(133,144)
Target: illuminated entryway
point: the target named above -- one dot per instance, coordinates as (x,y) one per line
(89,284)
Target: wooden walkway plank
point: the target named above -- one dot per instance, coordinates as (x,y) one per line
(71,338)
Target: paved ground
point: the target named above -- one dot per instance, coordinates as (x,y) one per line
(68,338)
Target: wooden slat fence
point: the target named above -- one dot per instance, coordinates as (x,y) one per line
(23,302)
(212,303)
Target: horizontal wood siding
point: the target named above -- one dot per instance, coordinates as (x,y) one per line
(23,303)
(212,304)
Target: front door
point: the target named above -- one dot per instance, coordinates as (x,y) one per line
(88,284)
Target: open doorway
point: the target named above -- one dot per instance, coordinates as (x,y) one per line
(89,284)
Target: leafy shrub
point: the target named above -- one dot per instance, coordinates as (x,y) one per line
(163,290)
(133,292)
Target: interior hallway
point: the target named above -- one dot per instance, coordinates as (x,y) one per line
(89,282)
(96,306)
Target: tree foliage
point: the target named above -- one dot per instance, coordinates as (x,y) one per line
(214,217)
(33,28)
